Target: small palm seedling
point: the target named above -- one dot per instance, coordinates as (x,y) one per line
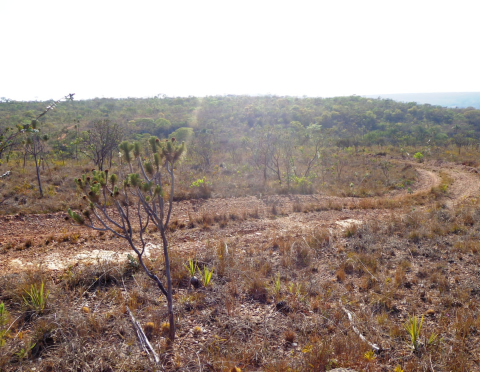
(3,321)
(192,267)
(206,276)
(413,327)
(277,284)
(36,299)
(3,314)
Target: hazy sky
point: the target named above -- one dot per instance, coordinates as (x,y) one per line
(139,48)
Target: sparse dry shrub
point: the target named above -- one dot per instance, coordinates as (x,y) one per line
(297,207)
(319,239)
(340,275)
(101,274)
(468,219)
(190,302)
(205,220)
(191,221)
(137,298)
(174,224)
(302,255)
(399,276)
(367,263)
(257,289)
(43,337)
(255,213)
(287,262)
(234,217)
(334,205)
(320,356)
(351,230)
(440,281)
(266,269)
(178,270)
(396,332)
(274,210)
(367,283)
(150,330)
(285,244)
(289,336)
(436,229)
(456,228)
(414,236)
(14,287)
(368,204)
(230,305)
(225,254)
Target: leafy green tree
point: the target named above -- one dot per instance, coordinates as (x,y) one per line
(183,134)
(473,118)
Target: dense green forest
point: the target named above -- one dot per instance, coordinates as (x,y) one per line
(245,144)
(353,120)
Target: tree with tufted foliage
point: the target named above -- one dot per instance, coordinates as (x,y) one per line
(139,200)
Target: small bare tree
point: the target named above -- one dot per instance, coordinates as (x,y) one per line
(8,139)
(101,140)
(35,142)
(137,200)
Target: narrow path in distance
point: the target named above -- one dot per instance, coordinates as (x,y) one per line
(72,244)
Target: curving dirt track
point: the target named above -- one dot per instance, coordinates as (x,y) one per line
(69,244)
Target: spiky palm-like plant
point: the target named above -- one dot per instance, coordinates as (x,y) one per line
(145,192)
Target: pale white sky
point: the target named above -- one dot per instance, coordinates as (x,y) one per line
(141,48)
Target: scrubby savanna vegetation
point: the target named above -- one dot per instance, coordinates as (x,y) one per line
(306,234)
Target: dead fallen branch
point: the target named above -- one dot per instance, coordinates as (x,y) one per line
(142,338)
(375,347)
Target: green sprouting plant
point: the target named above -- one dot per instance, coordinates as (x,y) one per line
(295,289)
(3,314)
(3,321)
(369,355)
(132,262)
(418,156)
(36,299)
(206,276)
(192,267)
(201,182)
(24,352)
(3,333)
(432,339)
(413,327)
(277,284)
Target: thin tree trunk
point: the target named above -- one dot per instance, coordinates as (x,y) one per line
(171,317)
(37,166)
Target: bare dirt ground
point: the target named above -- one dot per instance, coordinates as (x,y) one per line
(68,244)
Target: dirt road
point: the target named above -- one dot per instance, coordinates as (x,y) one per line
(49,240)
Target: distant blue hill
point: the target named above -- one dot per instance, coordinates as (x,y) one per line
(460,100)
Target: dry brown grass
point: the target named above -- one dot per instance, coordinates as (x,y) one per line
(416,260)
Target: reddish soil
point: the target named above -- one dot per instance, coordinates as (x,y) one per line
(69,244)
